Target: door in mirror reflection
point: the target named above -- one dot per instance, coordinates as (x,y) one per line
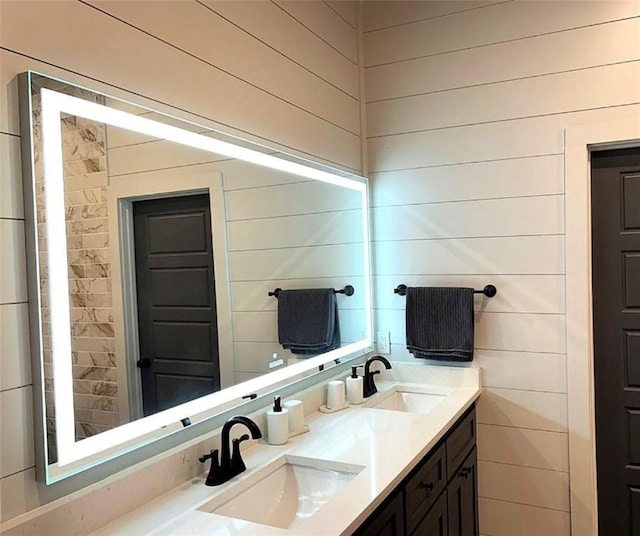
(176,301)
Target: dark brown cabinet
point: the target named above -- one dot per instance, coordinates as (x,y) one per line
(440,495)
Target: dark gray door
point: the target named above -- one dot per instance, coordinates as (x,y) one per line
(176,301)
(616,313)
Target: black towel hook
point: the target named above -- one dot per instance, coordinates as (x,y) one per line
(489,291)
(348,290)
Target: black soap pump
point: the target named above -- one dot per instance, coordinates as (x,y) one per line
(277,423)
(355,387)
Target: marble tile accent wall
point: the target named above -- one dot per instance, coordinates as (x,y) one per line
(92,331)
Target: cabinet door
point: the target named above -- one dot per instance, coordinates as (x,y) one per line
(435,522)
(463,499)
(389,521)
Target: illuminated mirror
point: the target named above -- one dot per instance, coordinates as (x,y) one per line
(155,245)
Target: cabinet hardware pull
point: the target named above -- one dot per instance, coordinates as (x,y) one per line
(427,487)
(464,472)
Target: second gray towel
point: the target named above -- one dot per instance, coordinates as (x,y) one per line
(440,323)
(308,320)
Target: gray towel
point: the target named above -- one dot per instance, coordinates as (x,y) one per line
(308,320)
(440,323)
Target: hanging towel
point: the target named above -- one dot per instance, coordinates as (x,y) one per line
(335,342)
(440,323)
(308,320)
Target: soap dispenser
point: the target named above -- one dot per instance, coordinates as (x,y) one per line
(277,423)
(355,387)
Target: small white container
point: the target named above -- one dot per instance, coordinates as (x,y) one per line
(296,416)
(336,395)
(277,423)
(355,387)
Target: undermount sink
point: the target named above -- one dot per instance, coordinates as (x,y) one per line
(407,399)
(288,490)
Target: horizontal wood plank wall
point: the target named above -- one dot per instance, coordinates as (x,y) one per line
(467,103)
(286,76)
(281,231)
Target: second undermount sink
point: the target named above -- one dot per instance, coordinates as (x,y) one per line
(285,492)
(408,399)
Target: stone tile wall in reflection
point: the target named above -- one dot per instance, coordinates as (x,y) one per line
(92,333)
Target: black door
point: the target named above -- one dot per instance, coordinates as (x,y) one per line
(176,301)
(615,203)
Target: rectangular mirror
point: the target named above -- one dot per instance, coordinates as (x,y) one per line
(155,248)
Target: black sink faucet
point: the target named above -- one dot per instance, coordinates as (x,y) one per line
(369,386)
(231,463)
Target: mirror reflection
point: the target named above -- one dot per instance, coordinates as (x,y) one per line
(172,257)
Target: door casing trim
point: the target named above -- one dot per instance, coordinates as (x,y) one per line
(121,198)
(580,140)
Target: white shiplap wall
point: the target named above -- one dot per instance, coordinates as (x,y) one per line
(279,72)
(281,231)
(467,103)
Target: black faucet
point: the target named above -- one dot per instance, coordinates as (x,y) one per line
(231,463)
(369,386)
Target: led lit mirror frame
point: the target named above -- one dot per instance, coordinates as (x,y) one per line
(75,456)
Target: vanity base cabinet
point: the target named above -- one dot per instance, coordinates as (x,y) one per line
(440,495)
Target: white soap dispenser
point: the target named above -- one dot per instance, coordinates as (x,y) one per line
(277,423)
(354,387)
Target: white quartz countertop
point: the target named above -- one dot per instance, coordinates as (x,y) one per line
(388,444)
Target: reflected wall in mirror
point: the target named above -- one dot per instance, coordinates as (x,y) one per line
(155,244)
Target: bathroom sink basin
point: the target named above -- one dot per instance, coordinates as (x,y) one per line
(411,400)
(283,493)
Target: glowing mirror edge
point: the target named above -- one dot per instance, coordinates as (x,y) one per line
(53,104)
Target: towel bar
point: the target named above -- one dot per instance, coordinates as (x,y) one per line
(347,291)
(489,291)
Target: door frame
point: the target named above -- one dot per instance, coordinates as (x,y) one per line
(121,197)
(580,140)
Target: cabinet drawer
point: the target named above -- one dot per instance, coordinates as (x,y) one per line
(460,442)
(424,487)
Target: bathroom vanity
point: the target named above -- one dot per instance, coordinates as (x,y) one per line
(367,470)
(440,495)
